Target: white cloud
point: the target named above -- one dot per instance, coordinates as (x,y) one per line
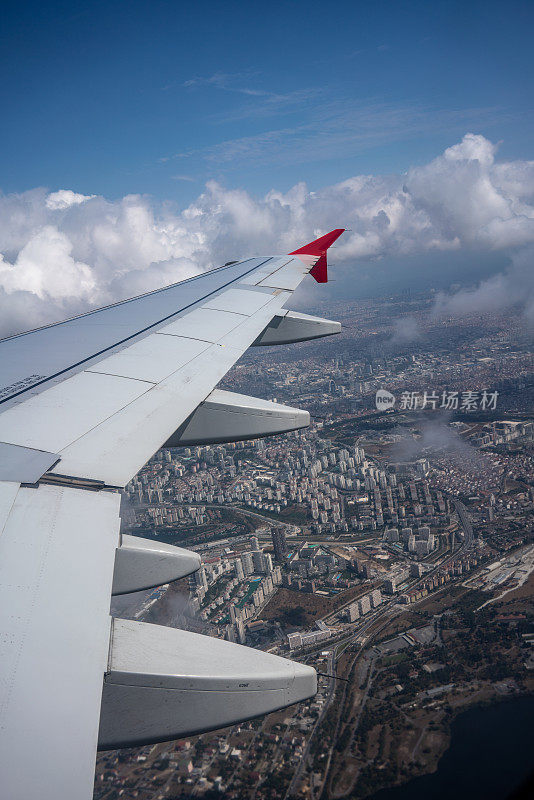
(46,268)
(65,198)
(64,252)
(467,199)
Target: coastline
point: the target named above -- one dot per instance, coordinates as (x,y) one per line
(489,755)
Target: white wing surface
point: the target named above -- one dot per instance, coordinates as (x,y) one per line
(83,405)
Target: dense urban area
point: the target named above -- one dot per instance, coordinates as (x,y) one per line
(390,545)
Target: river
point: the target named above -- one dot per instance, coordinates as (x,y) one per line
(490,756)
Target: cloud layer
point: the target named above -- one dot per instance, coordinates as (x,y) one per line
(64,252)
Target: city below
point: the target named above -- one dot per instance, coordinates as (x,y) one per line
(389,545)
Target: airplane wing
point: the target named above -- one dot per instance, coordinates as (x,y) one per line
(83,405)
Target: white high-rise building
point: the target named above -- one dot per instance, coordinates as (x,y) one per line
(364,605)
(201,578)
(258,597)
(294,640)
(230,633)
(239,572)
(375,597)
(240,630)
(247,563)
(421,548)
(277,576)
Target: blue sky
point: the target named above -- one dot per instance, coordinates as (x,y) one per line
(114,98)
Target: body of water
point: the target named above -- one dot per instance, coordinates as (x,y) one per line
(490,757)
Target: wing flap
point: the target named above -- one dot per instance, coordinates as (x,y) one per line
(287,277)
(24,464)
(54,419)
(142,563)
(239,301)
(290,326)
(151,359)
(205,324)
(231,417)
(274,264)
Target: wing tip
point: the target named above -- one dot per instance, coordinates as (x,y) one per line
(319,248)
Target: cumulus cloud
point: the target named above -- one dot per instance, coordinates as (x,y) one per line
(64,252)
(45,266)
(65,198)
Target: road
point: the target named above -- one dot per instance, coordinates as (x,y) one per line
(463,516)
(369,682)
(330,696)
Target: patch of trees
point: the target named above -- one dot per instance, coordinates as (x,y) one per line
(274,781)
(371,779)
(343,740)
(293,616)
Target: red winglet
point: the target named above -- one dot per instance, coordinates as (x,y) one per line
(319,248)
